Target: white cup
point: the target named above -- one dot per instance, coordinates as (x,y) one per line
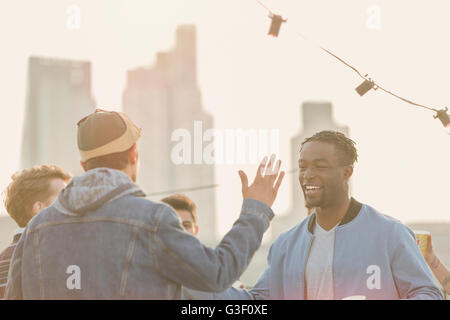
(355,298)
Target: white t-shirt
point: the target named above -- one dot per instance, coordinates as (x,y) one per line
(319,267)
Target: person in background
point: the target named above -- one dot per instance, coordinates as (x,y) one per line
(30,191)
(439,269)
(187,211)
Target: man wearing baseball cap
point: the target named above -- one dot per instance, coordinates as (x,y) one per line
(102,240)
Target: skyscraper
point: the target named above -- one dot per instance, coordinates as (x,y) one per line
(58,96)
(163,98)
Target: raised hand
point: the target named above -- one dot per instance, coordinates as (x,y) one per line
(266,183)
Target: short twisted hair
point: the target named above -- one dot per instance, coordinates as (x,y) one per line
(27,187)
(344,146)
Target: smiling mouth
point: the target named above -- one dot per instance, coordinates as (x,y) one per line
(312,190)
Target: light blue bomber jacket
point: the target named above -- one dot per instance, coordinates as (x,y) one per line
(375,256)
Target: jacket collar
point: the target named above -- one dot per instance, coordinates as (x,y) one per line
(18,234)
(352,211)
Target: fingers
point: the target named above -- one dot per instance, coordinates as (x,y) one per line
(263,188)
(270,164)
(274,171)
(244,180)
(271,170)
(261,168)
(266,171)
(278,183)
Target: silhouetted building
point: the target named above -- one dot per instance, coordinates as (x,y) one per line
(161,99)
(58,96)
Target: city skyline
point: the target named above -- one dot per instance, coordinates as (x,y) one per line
(58,96)
(53,81)
(161,99)
(243,74)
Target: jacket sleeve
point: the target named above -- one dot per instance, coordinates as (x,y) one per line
(411,273)
(14,286)
(181,257)
(260,291)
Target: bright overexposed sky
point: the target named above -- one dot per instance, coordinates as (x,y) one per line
(249,80)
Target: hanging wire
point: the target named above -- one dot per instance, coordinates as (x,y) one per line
(264,6)
(373,85)
(183,190)
(376,86)
(198,188)
(330,53)
(440,113)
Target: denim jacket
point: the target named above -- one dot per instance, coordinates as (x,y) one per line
(101,240)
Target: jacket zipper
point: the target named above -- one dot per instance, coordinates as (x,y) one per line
(332,264)
(304,268)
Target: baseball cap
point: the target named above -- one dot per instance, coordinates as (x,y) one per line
(105,132)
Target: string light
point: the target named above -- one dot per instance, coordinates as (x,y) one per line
(277,20)
(443,116)
(368,83)
(362,89)
(365,87)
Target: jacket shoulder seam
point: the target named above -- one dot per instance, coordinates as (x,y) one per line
(150,228)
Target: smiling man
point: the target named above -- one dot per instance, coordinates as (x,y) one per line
(343,248)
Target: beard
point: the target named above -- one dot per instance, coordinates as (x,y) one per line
(311,203)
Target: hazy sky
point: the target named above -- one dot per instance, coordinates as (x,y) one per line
(249,80)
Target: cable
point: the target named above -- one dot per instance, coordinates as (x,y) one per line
(264,6)
(406,100)
(375,86)
(440,113)
(365,77)
(183,190)
(198,188)
(330,53)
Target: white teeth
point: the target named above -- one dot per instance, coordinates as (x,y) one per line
(312,187)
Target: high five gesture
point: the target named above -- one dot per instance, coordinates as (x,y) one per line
(266,183)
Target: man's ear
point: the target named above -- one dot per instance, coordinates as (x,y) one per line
(83,165)
(37,207)
(195,229)
(348,171)
(133,156)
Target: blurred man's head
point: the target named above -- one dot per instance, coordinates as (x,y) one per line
(32,190)
(107,139)
(326,165)
(186,210)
